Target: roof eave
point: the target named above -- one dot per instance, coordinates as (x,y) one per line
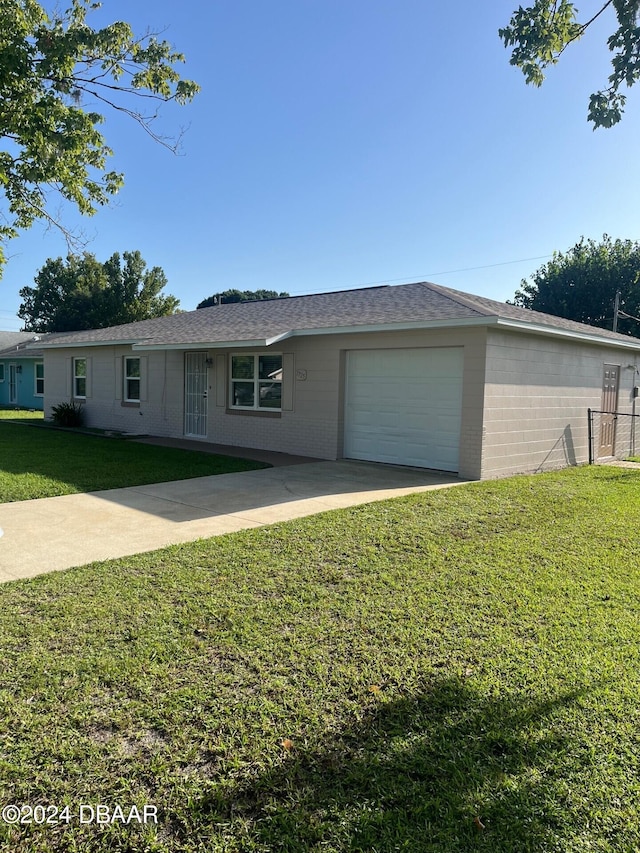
(76,344)
(407,326)
(557,332)
(322,330)
(199,345)
(412,325)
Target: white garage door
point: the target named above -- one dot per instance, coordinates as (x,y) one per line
(403,406)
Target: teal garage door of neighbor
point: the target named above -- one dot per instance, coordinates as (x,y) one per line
(404,406)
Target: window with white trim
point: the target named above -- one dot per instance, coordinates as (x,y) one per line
(1,372)
(132,379)
(38,389)
(256,382)
(80,378)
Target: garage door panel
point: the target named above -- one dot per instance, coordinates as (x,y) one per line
(403,406)
(414,421)
(448,424)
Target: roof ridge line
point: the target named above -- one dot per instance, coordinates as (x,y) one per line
(460,300)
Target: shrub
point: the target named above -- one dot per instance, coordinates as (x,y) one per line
(68,414)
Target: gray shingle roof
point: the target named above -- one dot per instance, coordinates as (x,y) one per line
(253,322)
(525,315)
(15,343)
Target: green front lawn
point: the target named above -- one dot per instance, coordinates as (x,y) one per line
(452,671)
(39,463)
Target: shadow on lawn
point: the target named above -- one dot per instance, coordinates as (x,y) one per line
(413,774)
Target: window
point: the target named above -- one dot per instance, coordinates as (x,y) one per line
(39,379)
(80,378)
(132,379)
(256,382)
(1,372)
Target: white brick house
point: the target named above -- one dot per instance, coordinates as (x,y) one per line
(416,374)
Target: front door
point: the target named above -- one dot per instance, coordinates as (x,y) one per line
(13,384)
(195,394)
(610,384)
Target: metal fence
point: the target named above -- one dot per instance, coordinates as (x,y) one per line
(612,435)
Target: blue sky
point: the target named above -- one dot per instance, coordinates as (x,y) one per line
(341,143)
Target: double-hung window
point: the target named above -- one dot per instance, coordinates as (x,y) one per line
(80,378)
(132,379)
(39,379)
(256,382)
(1,372)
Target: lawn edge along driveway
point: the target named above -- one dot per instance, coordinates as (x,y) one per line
(60,532)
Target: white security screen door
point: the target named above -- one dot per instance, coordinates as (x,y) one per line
(195,394)
(13,384)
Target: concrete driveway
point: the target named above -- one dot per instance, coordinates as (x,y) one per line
(57,533)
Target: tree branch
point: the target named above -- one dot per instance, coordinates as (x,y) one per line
(128,90)
(143,121)
(583,27)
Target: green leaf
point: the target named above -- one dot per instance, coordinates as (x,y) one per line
(51,65)
(540,33)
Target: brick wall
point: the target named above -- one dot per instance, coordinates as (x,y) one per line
(538,390)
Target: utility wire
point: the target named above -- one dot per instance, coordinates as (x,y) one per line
(464,269)
(628,316)
(423,276)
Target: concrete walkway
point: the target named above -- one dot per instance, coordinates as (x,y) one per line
(57,533)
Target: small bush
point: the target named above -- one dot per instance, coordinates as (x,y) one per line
(67,414)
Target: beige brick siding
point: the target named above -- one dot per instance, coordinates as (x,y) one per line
(313,425)
(538,390)
(525,397)
(160,413)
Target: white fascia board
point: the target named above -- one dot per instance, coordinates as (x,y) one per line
(83,344)
(202,345)
(518,325)
(586,337)
(410,325)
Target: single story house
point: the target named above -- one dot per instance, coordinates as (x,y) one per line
(416,374)
(21,371)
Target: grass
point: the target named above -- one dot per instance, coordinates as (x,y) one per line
(452,671)
(21,415)
(40,463)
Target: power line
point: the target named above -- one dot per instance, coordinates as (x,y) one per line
(422,276)
(488,266)
(462,269)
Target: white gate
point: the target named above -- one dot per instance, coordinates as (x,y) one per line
(195,394)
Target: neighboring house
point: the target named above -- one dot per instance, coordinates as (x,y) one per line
(21,371)
(416,374)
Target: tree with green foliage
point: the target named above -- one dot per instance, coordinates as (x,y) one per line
(239,296)
(50,65)
(539,35)
(582,284)
(82,293)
